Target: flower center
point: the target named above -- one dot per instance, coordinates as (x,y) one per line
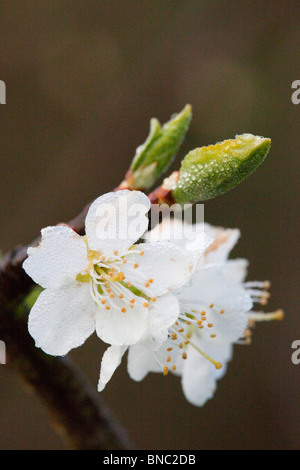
(110,288)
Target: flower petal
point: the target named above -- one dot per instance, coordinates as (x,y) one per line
(165,264)
(119,328)
(199,376)
(62,319)
(163,314)
(110,362)
(225,305)
(236,270)
(190,237)
(116,220)
(224,241)
(58,259)
(141,361)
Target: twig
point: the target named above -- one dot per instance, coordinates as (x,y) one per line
(76,410)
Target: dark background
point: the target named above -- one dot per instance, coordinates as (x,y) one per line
(83,79)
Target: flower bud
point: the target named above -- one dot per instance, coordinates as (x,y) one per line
(207,172)
(155,155)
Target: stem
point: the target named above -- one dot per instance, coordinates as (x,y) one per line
(76,411)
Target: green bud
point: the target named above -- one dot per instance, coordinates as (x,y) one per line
(207,172)
(155,155)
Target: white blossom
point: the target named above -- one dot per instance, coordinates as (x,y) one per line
(215,313)
(104,281)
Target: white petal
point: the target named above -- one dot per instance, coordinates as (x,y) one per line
(58,259)
(62,319)
(115,221)
(224,241)
(199,376)
(210,291)
(141,361)
(236,271)
(190,237)
(167,265)
(163,314)
(118,328)
(110,362)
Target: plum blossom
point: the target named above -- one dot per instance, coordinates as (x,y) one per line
(215,313)
(105,281)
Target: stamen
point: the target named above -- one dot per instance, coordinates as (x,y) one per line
(217,365)
(260,316)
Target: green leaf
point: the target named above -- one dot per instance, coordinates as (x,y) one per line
(207,172)
(155,155)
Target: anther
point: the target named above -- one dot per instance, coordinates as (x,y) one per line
(166,370)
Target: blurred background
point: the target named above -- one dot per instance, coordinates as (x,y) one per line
(83,79)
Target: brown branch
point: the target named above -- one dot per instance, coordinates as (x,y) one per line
(75,408)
